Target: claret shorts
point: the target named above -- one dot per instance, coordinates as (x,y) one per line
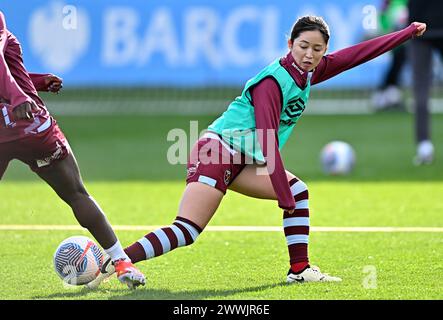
(213,162)
(36,150)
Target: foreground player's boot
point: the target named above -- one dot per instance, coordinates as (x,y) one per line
(126,272)
(310,274)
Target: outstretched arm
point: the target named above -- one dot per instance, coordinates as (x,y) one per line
(345,59)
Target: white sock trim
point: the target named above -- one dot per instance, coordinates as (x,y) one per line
(116,252)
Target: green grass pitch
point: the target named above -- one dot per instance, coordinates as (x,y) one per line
(123,162)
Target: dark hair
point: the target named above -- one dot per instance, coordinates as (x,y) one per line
(310,23)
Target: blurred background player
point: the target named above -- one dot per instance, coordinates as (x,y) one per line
(30,134)
(224,158)
(431,12)
(393,17)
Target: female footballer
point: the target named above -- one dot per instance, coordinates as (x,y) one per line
(240,150)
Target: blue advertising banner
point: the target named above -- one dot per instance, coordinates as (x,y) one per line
(180,43)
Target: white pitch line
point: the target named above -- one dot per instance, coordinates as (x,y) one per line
(20,227)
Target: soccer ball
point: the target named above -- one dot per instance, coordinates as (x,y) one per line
(78,260)
(337,158)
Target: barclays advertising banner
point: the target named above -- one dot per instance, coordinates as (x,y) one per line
(173,42)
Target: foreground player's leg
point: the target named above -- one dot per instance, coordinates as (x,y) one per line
(198,205)
(64,177)
(296,225)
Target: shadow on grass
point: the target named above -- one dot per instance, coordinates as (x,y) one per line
(146,293)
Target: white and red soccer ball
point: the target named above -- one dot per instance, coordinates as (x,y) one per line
(78,260)
(337,158)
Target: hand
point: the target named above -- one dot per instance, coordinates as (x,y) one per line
(421,28)
(290,211)
(53,83)
(24,111)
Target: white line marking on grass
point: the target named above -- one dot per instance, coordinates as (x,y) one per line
(24,227)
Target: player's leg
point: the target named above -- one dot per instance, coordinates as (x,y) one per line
(197,206)
(421,58)
(199,203)
(64,177)
(389,95)
(206,186)
(251,183)
(398,61)
(296,225)
(49,155)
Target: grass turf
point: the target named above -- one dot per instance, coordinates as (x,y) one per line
(124,165)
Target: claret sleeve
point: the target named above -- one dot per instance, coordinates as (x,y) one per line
(266,98)
(345,59)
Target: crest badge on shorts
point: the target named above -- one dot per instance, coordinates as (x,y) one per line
(192,170)
(227,177)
